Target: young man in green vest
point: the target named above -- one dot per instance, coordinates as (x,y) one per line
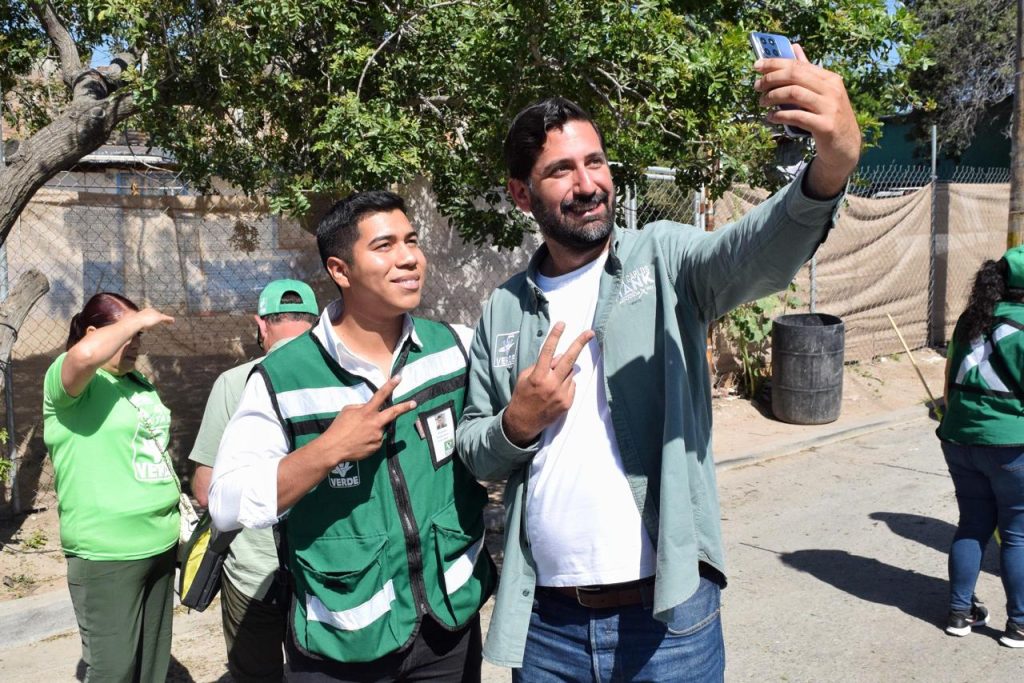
(253,618)
(347,435)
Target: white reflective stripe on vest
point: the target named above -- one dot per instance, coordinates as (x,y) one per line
(979,357)
(354,618)
(418,373)
(300,402)
(456,576)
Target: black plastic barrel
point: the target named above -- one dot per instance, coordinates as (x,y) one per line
(807,368)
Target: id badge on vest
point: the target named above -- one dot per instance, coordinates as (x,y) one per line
(437,427)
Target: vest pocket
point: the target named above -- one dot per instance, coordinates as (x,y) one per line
(348,609)
(462,571)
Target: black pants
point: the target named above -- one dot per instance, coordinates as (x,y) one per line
(253,632)
(436,655)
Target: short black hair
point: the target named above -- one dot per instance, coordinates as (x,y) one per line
(338,230)
(291,297)
(529,130)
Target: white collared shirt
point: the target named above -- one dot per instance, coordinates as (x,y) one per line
(243,490)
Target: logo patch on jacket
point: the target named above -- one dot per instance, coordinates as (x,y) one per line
(636,283)
(345,475)
(505,347)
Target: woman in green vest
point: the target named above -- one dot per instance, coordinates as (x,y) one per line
(982,437)
(106,430)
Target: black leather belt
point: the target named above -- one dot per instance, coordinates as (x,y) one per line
(609,595)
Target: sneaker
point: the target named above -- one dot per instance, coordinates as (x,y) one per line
(1013,636)
(960,623)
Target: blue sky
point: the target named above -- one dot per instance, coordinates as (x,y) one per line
(100,56)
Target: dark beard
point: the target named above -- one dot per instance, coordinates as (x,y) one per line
(578,237)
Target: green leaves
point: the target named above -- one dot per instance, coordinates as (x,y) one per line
(748,329)
(967,59)
(293,97)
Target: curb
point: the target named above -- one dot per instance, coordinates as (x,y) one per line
(895,418)
(28,620)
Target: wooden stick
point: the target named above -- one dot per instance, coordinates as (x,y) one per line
(935,405)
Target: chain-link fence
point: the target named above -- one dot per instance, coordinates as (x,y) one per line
(903,245)
(907,246)
(201,259)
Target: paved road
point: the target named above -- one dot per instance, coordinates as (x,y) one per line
(837,573)
(838,568)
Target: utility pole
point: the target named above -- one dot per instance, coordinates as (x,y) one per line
(1015,227)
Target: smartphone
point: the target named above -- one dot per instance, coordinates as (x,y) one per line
(774,46)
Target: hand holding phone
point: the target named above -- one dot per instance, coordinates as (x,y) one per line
(774,46)
(814,100)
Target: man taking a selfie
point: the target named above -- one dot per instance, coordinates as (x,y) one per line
(589,391)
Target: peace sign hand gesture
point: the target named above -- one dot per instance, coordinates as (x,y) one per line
(544,391)
(358,430)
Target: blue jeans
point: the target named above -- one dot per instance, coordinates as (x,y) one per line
(571,643)
(989,483)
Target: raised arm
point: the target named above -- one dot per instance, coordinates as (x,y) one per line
(100,345)
(760,253)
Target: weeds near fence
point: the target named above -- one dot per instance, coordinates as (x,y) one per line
(37,539)
(749,330)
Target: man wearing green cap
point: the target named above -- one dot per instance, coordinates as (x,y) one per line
(254,626)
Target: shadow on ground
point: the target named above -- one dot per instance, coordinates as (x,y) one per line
(933,533)
(918,595)
(176,673)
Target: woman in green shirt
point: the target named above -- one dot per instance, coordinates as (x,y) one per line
(982,437)
(107,430)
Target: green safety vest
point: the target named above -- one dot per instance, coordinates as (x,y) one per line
(383,541)
(986,384)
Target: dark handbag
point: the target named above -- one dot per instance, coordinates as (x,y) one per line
(202,564)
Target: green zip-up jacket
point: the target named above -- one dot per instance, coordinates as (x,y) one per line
(660,289)
(383,541)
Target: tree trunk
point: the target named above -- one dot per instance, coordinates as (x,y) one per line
(1015,229)
(82,128)
(26,292)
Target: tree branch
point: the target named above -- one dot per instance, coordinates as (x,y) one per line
(398,32)
(618,86)
(82,128)
(607,101)
(70,61)
(366,67)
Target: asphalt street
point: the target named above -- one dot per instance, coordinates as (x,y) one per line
(837,568)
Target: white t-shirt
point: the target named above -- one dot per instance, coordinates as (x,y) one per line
(583,523)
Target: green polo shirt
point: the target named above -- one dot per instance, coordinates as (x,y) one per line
(252,557)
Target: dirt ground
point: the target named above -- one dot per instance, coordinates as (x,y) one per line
(31,562)
(871,390)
